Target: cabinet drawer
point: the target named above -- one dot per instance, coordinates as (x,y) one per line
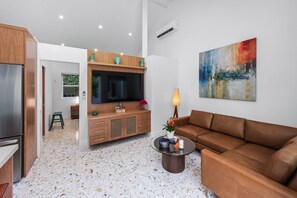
(99,131)
(98,139)
(142,122)
(144,129)
(145,116)
(98,123)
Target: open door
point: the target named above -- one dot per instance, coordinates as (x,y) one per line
(43,100)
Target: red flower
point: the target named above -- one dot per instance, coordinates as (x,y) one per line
(142,102)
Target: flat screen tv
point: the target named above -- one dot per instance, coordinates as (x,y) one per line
(116,87)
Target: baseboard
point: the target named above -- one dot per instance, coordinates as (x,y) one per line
(157,133)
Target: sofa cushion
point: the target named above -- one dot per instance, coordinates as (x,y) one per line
(219,142)
(244,160)
(201,119)
(270,135)
(256,152)
(293,182)
(190,131)
(228,125)
(282,164)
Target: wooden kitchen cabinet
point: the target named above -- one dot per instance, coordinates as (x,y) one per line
(12,45)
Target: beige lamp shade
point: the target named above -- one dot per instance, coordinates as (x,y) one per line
(176,97)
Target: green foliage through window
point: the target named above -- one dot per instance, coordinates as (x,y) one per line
(70,79)
(70,85)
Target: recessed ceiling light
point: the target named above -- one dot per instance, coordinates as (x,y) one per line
(121,53)
(130,34)
(95,49)
(61,17)
(100,26)
(62,44)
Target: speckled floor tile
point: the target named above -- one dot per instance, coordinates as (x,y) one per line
(124,168)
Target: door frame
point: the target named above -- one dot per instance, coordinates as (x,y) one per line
(43,100)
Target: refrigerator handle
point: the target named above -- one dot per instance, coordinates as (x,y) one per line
(8,142)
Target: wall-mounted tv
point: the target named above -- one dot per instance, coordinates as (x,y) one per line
(116,87)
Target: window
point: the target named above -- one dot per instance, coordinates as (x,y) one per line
(70,85)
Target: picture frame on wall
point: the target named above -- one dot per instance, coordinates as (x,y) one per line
(229,72)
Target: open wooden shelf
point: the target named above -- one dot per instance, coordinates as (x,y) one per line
(116,65)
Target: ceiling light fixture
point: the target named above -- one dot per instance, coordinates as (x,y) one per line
(130,34)
(61,17)
(121,53)
(100,26)
(95,49)
(62,44)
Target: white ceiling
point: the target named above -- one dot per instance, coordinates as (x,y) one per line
(79,28)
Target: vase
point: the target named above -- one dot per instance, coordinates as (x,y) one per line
(92,59)
(170,134)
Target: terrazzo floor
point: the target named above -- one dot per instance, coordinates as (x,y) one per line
(124,168)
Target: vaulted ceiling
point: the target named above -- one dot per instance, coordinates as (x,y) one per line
(81,19)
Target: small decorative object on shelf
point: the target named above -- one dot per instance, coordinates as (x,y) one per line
(120,108)
(94,113)
(92,59)
(181,144)
(142,104)
(117,60)
(141,63)
(169,127)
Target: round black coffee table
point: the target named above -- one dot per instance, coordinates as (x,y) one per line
(173,158)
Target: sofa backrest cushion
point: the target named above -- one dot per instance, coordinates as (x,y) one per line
(201,119)
(270,135)
(282,164)
(228,125)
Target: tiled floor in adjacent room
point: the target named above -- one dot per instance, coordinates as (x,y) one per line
(124,168)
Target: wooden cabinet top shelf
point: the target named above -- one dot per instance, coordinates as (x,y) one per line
(114,114)
(116,65)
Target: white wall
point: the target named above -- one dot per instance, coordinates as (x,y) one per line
(205,25)
(161,77)
(71,55)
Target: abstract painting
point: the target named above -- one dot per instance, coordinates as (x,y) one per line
(229,72)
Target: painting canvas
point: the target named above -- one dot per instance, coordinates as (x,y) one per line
(229,72)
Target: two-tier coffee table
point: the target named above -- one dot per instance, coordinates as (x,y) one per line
(173,158)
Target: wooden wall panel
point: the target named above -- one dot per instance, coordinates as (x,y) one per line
(106,107)
(30,134)
(106,57)
(11,45)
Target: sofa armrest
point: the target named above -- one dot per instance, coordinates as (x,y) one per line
(229,179)
(181,121)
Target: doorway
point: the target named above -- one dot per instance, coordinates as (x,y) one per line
(60,92)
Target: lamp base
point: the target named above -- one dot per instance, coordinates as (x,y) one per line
(175,114)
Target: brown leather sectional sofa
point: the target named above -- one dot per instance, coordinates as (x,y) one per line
(243,158)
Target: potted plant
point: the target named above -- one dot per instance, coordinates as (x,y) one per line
(142,104)
(170,128)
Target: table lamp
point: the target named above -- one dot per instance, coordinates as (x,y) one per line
(175,102)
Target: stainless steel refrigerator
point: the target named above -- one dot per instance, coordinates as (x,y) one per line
(11,113)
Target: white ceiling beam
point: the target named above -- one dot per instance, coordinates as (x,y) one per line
(144,28)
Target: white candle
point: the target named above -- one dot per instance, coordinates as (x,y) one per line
(181,144)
